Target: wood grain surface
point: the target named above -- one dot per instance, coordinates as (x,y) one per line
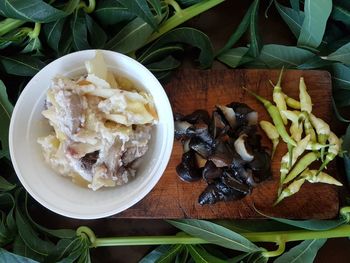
(198,89)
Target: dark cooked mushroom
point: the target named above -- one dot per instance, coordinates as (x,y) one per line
(222,155)
(211,172)
(202,132)
(244,114)
(183,128)
(217,125)
(198,116)
(188,169)
(246,175)
(261,165)
(231,179)
(201,147)
(229,115)
(242,148)
(89,160)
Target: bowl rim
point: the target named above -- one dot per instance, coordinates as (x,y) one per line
(161,165)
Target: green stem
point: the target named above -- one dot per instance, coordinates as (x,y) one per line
(278,237)
(185,14)
(9,24)
(35,32)
(88,9)
(281,248)
(175,5)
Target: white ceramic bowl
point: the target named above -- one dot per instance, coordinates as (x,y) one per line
(54,191)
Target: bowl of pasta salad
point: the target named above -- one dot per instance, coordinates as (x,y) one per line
(91,134)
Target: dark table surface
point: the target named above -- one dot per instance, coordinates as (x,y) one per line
(218,23)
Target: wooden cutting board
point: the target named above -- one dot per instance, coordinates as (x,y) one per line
(194,89)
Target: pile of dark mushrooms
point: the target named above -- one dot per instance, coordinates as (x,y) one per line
(224,149)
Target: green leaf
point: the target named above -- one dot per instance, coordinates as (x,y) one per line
(97,36)
(255,41)
(155,254)
(182,257)
(170,255)
(342,54)
(315,62)
(295,4)
(5,185)
(33,11)
(79,31)
(6,109)
(6,256)
(133,36)
(21,65)
(201,256)
(30,237)
(293,18)
(65,45)
(168,63)
(156,6)
(20,248)
(257,258)
(342,97)
(305,252)
(34,45)
(239,258)
(346,141)
(164,76)
(160,53)
(110,12)
(186,3)
(233,57)
(189,36)
(341,76)
(347,166)
(67,250)
(314,25)
(277,56)
(141,9)
(53,32)
(215,234)
(238,33)
(244,226)
(341,14)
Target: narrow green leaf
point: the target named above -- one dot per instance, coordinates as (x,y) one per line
(239,258)
(155,254)
(6,256)
(346,141)
(3,153)
(341,14)
(79,31)
(233,57)
(53,32)
(277,56)
(189,36)
(133,36)
(238,33)
(21,65)
(314,25)
(141,9)
(312,224)
(110,12)
(168,63)
(65,45)
(164,76)
(201,256)
(215,234)
(97,36)
(34,45)
(156,6)
(342,54)
(160,53)
(337,113)
(170,255)
(315,62)
(342,97)
(257,258)
(5,185)
(183,256)
(305,252)
(22,250)
(341,76)
(293,18)
(6,109)
(66,250)
(255,41)
(347,166)
(186,3)
(295,4)
(30,237)
(34,10)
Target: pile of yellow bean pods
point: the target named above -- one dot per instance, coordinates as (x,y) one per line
(318,143)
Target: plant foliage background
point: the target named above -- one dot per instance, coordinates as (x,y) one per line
(33,33)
